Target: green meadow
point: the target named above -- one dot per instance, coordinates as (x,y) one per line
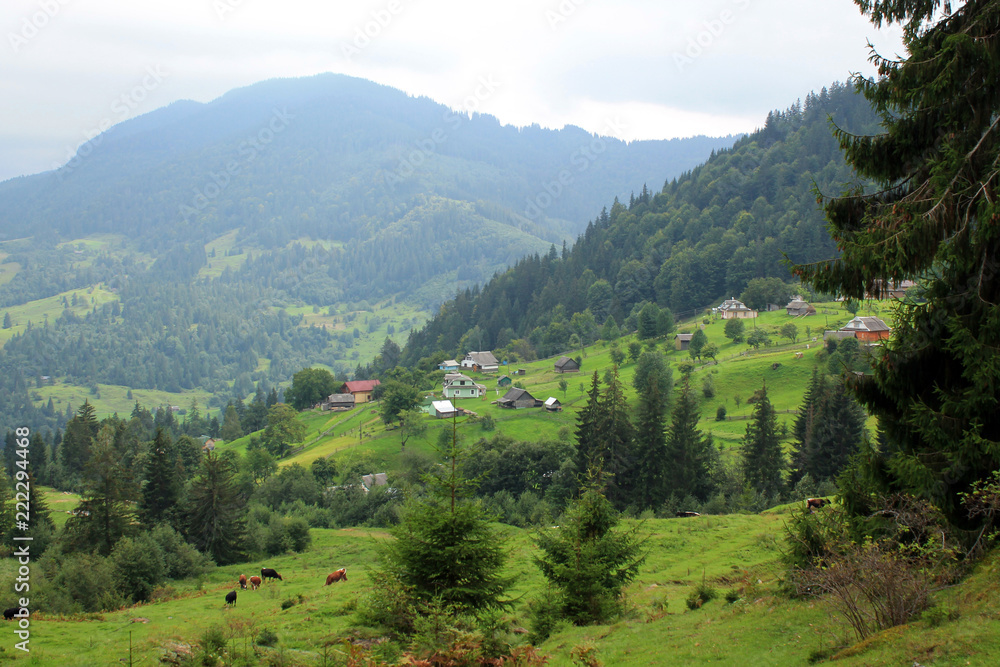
(737,553)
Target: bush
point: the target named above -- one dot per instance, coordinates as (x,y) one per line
(138,565)
(701,594)
(266,637)
(720,413)
(938,614)
(732,595)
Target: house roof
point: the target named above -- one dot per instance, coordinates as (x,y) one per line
(353,386)
(733,304)
(443,406)
(565,361)
(483,358)
(340,398)
(551,402)
(866,324)
(683,337)
(451,378)
(516,394)
(797,304)
(449,362)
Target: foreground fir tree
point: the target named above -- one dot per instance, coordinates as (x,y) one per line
(690,454)
(933,217)
(445,549)
(587,561)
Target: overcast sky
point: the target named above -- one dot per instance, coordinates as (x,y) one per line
(636,69)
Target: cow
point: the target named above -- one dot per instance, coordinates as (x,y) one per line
(9,614)
(339,575)
(243,581)
(815,503)
(687,514)
(231,598)
(254,582)
(267,573)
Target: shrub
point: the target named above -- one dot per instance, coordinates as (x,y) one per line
(266,637)
(701,594)
(138,565)
(732,595)
(938,614)
(720,413)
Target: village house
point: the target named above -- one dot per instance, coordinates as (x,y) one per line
(482,362)
(517,398)
(799,308)
(443,409)
(457,385)
(338,402)
(867,329)
(567,365)
(682,341)
(503,381)
(732,309)
(360,389)
(448,365)
(552,404)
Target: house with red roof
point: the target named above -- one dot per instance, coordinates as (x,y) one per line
(360,389)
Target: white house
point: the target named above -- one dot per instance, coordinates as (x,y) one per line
(457,385)
(483,362)
(733,309)
(443,409)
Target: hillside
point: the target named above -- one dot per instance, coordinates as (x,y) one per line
(288,223)
(701,238)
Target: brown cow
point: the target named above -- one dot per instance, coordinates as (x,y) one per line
(254,582)
(339,575)
(815,503)
(243,581)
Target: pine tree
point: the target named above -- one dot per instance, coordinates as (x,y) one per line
(931,216)
(833,432)
(616,437)
(216,512)
(445,548)
(162,486)
(587,561)
(689,456)
(650,451)
(231,429)
(587,437)
(763,460)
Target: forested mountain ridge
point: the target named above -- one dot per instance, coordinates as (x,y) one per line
(199,235)
(703,237)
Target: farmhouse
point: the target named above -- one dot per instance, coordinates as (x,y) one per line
(732,309)
(552,404)
(517,398)
(360,389)
(867,329)
(483,362)
(683,341)
(567,365)
(448,365)
(338,402)
(799,308)
(457,385)
(443,409)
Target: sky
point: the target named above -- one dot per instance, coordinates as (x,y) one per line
(633,69)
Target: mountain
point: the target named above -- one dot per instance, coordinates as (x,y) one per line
(742,215)
(184,249)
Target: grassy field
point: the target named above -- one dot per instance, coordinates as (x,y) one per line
(49,309)
(737,552)
(114,398)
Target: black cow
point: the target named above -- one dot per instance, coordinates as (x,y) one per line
(231,598)
(9,614)
(267,573)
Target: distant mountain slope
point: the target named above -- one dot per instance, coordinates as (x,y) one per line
(703,237)
(319,157)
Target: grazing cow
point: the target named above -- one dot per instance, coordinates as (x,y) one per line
(9,614)
(231,598)
(267,573)
(243,581)
(687,514)
(339,575)
(815,503)
(255,582)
